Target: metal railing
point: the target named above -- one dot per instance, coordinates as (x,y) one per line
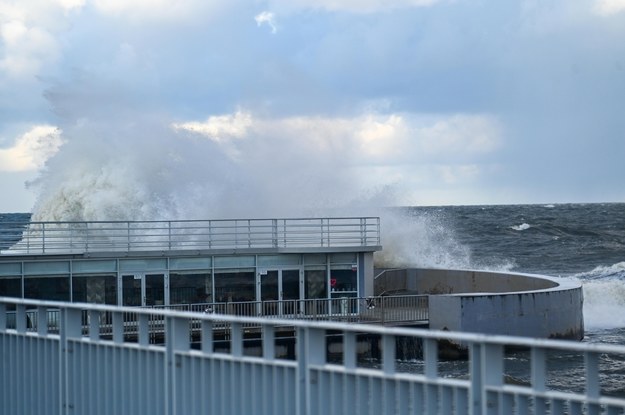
(98,236)
(324,367)
(395,310)
(404,309)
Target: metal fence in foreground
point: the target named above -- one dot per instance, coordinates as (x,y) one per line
(321,368)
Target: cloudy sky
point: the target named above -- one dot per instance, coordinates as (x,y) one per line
(191,108)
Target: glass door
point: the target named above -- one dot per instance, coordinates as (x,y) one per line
(269,293)
(280,291)
(139,289)
(289,290)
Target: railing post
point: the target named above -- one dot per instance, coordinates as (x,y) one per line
(210,234)
(593,387)
(274,232)
(388,367)
(311,350)
(43,238)
(169,235)
(475,372)
(236,233)
(539,376)
(328,231)
(3,317)
(492,366)
(177,338)
(363,231)
(249,233)
(71,327)
(430,370)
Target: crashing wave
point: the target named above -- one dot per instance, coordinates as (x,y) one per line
(521,227)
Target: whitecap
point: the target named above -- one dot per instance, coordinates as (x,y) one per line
(604,303)
(603,271)
(521,227)
(550,206)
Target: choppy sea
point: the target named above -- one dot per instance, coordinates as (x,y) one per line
(585,242)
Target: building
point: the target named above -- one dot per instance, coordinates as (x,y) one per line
(159,263)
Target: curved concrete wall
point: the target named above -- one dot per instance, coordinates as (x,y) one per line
(496,303)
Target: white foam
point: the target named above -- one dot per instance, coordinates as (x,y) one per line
(425,240)
(604,303)
(603,271)
(521,227)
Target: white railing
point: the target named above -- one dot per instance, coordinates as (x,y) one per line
(395,310)
(399,309)
(98,236)
(321,368)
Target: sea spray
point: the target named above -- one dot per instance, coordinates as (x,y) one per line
(604,296)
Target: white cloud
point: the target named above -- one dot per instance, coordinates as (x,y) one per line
(609,7)
(460,134)
(268,18)
(164,10)
(220,128)
(373,136)
(353,6)
(31,150)
(71,4)
(27,49)
(399,145)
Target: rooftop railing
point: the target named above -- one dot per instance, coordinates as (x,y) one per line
(102,236)
(323,368)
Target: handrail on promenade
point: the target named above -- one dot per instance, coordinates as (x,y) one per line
(79,370)
(98,236)
(396,310)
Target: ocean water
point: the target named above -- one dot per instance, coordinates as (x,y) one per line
(584,242)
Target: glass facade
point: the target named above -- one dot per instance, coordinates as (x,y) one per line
(184,280)
(10,286)
(235,285)
(99,289)
(190,287)
(49,287)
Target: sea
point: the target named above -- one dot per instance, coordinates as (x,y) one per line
(583,242)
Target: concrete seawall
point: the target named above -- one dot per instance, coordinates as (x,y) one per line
(494,302)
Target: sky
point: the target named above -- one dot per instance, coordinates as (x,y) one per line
(116,109)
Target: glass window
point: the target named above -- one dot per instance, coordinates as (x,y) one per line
(142,265)
(11,286)
(273,260)
(190,263)
(46,267)
(316,282)
(235,285)
(53,287)
(235,261)
(315,259)
(343,257)
(94,266)
(190,287)
(11,268)
(343,278)
(98,289)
